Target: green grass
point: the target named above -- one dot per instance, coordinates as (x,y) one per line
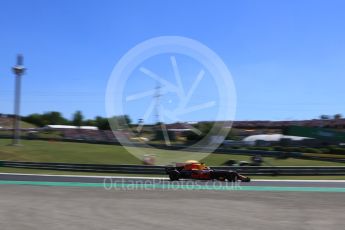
(52,151)
(23,124)
(69,152)
(219,159)
(26,125)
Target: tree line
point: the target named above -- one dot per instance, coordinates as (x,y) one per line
(77,119)
(330,117)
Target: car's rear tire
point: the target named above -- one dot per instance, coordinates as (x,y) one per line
(221,178)
(174,175)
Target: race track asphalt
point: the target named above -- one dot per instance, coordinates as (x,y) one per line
(30,206)
(164,180)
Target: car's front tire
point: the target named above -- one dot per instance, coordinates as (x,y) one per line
(246,179)
(174,175)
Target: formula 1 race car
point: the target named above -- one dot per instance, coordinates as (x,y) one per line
(199,171)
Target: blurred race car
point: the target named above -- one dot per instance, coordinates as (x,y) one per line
(199,171)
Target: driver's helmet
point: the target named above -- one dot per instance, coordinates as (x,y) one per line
(194,165)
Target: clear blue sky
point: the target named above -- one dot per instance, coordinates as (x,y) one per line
(287,57)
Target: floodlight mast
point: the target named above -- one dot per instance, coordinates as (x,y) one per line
(18,70)
(157,97)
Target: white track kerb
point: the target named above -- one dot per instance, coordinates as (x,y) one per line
(172,45)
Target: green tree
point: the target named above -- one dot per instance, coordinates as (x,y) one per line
(48,118)
(205,127)
(90,122)
(102,123)
(35,119)
(121,121)
(127,119)
(53,118)
(338,116)
(78,118)
(324,117)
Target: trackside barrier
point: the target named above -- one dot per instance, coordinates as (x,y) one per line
(160,170)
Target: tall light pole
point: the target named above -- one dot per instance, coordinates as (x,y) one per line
(157,97)
(18,70)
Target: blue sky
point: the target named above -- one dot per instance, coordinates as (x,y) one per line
(287,57)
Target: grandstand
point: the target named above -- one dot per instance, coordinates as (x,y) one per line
(327,123)
(6,122)
(95,135)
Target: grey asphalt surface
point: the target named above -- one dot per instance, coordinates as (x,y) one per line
(24,207)
(13,177)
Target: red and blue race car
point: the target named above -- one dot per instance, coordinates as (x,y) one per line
(199,171)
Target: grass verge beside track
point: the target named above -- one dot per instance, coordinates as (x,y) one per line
(68,152)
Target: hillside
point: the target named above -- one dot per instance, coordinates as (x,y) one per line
(7,123)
